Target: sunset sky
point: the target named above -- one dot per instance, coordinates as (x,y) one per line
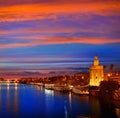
(58,34)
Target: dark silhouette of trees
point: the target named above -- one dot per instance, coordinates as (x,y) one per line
(111,68)
(104,67)
(108,88)
(1,79)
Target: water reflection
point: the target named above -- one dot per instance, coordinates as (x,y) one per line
(16,86)
(29,101)
(66,111)
(8,100)
(101,109)
(0,98)
(84,106)
(70,100)
(117,112)
(8,86)
(95,107)
(49,92)
(49,102)
(16,102)
(70,104)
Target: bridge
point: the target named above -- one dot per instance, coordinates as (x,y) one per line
(9,81)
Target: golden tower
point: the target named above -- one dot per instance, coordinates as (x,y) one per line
(96,73)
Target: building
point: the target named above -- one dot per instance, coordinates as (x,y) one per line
(114,77)
(96,73)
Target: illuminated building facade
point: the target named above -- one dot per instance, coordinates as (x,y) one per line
(96,73)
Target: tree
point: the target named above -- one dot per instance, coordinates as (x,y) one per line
(108,88)
(1,79)
(111,68)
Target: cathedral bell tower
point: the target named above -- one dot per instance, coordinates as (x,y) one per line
(96,73)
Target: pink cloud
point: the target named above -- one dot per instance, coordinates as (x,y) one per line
(50,11)
(3,32)
(35,41)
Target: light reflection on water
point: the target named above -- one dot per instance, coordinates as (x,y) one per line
(117,112)
(30,101)
(49,92)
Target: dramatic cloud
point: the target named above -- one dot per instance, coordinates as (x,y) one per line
(41,11)
(37,41)
(58,28)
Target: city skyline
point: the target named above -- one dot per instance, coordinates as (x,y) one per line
(36,35)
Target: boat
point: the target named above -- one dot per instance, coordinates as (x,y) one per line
(39,84)
(80,90)
(62,88)
(49,86)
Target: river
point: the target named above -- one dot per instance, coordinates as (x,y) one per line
(31,101)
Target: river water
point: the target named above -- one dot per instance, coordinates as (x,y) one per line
(31,101)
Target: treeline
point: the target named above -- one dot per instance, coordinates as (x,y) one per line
(1,79)
(105,91)
(77,79)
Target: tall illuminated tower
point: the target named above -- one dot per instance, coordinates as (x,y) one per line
(96,73)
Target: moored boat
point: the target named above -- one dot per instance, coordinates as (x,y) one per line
(49,86)
(62,88)
(80,90)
